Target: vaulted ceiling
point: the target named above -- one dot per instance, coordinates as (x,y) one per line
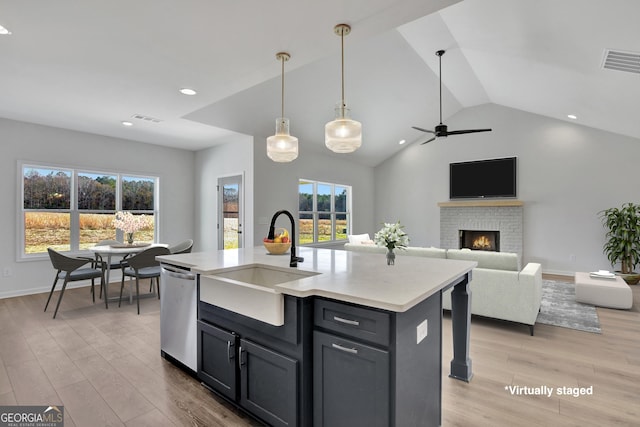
(89,66)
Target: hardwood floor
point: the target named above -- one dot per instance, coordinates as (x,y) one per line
(105,367)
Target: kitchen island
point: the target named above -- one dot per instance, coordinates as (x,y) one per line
(358,342)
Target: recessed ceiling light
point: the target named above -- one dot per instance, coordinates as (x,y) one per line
(402,141)
(187,91)
(125,123)
(572,116)
(4,31)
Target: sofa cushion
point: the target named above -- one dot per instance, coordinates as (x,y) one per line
(424,252)
(494,260)
(358,247)
(360,239)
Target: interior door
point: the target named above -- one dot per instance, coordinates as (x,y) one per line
(230,212)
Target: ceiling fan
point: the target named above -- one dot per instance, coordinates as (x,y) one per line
(441,130)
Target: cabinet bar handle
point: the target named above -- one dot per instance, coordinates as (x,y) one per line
(242,360)
(347,321)
(229,353)
(341,348)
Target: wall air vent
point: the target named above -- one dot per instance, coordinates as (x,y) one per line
(621,61)
(145,118)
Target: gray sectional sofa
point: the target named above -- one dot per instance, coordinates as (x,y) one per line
(500,289)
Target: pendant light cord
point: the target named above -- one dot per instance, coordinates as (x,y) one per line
(440,72)
(282,60)
(342,107)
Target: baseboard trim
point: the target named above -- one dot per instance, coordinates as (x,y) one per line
(40,290)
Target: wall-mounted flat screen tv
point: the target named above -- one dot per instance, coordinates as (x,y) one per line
(483,179)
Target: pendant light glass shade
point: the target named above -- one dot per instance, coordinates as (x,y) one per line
(343,135)
(282,147)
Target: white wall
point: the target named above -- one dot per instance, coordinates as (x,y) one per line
(567,173)
(233,157)
(276,186)
(30,142)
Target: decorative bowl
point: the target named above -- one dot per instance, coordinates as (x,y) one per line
(277,248)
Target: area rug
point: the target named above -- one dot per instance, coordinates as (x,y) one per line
(560,308)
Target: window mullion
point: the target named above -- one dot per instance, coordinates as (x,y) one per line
(316,222)
(74,219)
(333,212)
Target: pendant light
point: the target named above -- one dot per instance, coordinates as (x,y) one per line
(282,147)
(342,135)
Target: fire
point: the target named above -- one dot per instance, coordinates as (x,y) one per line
(482,242)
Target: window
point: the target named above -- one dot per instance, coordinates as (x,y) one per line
(324,211)
(69,209)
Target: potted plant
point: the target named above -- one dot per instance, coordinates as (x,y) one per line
(623,239)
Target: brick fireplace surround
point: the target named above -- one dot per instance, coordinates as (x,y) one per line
(505,216)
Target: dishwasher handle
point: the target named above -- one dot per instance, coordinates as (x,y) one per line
(178,273)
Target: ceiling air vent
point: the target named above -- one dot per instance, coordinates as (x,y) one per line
(621,61)
(146,118)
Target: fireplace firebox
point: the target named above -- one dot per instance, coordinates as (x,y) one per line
(480,240)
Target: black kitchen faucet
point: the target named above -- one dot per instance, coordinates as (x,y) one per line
(294,259)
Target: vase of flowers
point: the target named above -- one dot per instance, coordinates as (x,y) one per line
(391,236)
(129,224)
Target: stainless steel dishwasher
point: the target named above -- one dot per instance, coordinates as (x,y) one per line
(178,315)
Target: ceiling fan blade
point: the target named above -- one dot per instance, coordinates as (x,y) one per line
(423,130)
(429,140)
(460,132)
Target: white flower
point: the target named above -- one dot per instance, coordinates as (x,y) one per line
(128,222)
(391,236)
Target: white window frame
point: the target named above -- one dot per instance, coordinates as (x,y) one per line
(73,210)
(315,213)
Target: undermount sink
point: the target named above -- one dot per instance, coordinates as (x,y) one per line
(249,290)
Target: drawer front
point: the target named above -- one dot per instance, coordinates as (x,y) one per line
(354,321)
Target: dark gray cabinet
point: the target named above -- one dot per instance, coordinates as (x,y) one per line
(331,364)
(374,368)
(217,357)
(264,369)
(351,383)
(269,384)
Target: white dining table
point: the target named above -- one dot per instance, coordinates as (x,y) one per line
(120,250)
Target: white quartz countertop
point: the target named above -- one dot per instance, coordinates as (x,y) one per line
(359,278)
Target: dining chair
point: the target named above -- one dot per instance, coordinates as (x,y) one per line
(143,266)
(70,269)
(113,265)
(183,247)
